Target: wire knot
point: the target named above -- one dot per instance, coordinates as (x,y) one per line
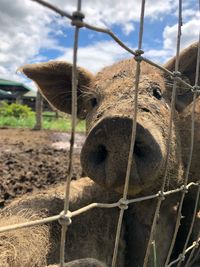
(77,19)
(123,204)
(196,89)
(184,189)
(161,195)
(196,244)
(138,55)
(176,74)
(182,257)
(65,219)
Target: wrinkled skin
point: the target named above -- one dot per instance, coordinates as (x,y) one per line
(106,102)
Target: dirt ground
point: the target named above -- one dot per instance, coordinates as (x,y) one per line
(32,160)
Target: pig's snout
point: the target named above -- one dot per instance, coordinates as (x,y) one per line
(104,155)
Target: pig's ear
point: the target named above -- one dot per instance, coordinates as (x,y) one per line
(54,80)
(187,67)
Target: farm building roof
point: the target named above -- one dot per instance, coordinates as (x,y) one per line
(4,82)
(13,88)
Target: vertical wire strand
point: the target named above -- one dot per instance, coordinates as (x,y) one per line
(72,140)
(156,214)
(137,79)
(191,149)
(191,228)
(154,254)
(187,173)
(187,264)
(192,257)
(132,142)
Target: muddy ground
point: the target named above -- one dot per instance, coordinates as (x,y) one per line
(32,160)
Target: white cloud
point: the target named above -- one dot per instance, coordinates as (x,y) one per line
(105,13)
(96,56)
(189,13)
(190,32)
(159,56)
(128,28)
(26,28)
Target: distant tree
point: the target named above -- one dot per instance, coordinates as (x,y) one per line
(38,109)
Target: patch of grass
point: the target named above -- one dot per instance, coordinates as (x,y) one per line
(14,122)
(63,124)
(60,124)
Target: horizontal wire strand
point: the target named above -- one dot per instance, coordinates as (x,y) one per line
(89,207)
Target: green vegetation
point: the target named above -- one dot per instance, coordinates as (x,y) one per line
(21,116)
(15,110)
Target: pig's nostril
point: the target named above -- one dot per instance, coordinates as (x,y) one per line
(138,150)
(99,155)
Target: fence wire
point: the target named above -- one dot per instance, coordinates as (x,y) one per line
(176,73)
(133,135)
(65,216)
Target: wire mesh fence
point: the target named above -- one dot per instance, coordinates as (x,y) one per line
(66,215)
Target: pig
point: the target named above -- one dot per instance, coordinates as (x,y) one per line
(106,101)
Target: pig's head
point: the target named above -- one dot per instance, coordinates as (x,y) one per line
(106,102)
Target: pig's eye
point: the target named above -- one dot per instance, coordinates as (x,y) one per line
(94,102)
(157,93)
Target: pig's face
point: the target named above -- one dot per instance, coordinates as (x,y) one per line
(109,124)
(106,101)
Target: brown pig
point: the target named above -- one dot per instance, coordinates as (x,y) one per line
(106,101)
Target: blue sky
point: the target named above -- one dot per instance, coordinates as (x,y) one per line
(32,33)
